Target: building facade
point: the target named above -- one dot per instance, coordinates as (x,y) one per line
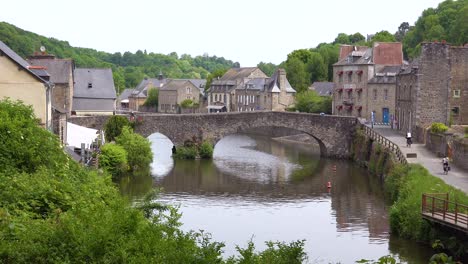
(380,96)
(174,93)
(20,81)
(249,89)
(434,88)
(351,74)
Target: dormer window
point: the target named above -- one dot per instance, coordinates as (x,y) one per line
(90,85)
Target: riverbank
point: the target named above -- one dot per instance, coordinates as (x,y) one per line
(404,186)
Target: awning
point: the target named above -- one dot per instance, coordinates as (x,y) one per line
(124,101)
(78,134)
(217,107)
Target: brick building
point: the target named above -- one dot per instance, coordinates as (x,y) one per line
(357,65)
(434,88)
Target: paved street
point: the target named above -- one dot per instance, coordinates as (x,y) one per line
(456,177)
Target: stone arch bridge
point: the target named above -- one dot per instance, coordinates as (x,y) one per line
(333,133)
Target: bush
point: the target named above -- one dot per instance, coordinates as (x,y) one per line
(438,128)
(206,150)
(152,99)
(113,158)
(310,102)
(24,145)
(113,127)
(138,149)
(187,103)
(186,153)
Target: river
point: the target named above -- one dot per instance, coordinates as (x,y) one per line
(264,190)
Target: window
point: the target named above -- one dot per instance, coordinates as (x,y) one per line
(385,94)
(375,94)
(350,78)
(359,97)
(456,110)
(340,78)
(90,85)
(359,78)
(456,93)
(189,90)
(225,100)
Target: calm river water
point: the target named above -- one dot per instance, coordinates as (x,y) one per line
(261,189)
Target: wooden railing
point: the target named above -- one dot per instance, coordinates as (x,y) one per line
(439,208)
(371,133)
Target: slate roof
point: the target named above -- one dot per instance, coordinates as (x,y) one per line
(101,80)
(274,81)
(323,88)
(21,62)
(386,76)
(383,53)
(357,57)
(125,93)
(59,69)
(174,85)
(235,74)
(141,91)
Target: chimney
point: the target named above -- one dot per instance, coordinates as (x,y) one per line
(282,79)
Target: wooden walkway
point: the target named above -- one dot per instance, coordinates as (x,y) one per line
(436,207)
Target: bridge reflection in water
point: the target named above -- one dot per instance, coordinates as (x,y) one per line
(275,191)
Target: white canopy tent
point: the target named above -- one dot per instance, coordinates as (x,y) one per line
(78,134)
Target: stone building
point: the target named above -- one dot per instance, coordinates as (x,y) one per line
(249,89)
(351,74)
(61,74)
(138,96)
(433,89)
(381,94)
(94,92)
(21,81)
(174,93)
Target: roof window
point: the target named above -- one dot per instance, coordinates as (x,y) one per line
(90,85)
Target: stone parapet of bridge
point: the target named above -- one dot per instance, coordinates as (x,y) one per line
(333,133)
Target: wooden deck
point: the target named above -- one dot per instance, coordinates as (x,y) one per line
(437,208)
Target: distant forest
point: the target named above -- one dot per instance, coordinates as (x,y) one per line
(128,68)
(449,22)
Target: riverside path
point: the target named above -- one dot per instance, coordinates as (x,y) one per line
(456,177)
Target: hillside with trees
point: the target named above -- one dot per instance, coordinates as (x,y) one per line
(128,68)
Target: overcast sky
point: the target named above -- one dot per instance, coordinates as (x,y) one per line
(247,31)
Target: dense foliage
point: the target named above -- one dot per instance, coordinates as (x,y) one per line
(449,22)
(113,158)
(310,102)
(138,148)
(128,68)
(114,127)
(55,211)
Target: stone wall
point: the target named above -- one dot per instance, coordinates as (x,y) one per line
(460,152)
(437,144)
(385,99)
(458,85)
(333,133)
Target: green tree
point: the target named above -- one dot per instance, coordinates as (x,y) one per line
(268,68)
(152,98)
(310,102)
(383,36)
(342,38)
(317,68)
(138,149)
(113,158)
(297,74)
(114,126)
(187,103)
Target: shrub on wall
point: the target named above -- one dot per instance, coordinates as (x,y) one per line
(438,128)
(206,150)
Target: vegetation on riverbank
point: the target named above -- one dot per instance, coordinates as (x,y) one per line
(52,210)
(136,155)
(405,185)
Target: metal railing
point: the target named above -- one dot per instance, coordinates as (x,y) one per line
(438,206)
(384,142)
